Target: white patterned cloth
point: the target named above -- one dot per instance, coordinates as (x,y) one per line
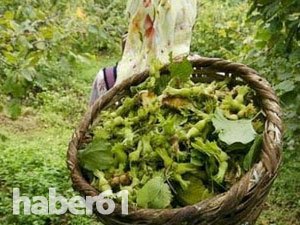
(156,29)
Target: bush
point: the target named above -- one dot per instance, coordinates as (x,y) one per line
(224,30)
(280,24)
(38,36)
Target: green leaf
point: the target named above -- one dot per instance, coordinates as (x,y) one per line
(135,155)
(97,155)
(253,153)
(14,109)
(263,34)
(170,124)
(232,132)
(8,15)
(213,151)
(182,70)
(3,138)
(41,45)
(154,194)
(196,191)
(10,57)
(28,73)
(13,86)
(161,83)
(285,86)
(93,29)
(25,43)
(197,158)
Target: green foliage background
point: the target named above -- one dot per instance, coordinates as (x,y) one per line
(42,41)
(51,50)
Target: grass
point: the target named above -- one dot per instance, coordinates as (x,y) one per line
(283,206)
(33,148)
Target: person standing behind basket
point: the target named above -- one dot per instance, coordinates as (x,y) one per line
(105,79)
(156,29)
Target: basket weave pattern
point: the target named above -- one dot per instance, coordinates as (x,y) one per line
(242,204)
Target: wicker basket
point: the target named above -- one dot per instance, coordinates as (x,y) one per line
(243,203)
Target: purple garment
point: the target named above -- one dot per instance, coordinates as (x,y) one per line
(105,80)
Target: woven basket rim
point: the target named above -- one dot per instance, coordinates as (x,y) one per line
(259,178)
